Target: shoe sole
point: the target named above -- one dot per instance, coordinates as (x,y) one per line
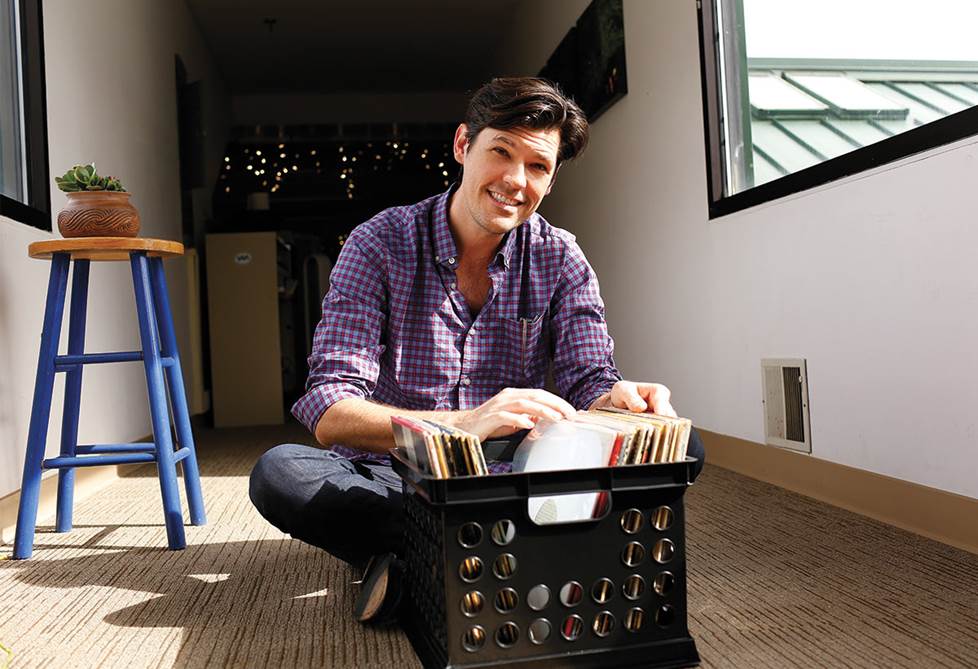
(373,591)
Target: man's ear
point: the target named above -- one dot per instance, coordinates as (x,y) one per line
(552,180)
(461,143)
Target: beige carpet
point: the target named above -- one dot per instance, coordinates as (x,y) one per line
(776,580)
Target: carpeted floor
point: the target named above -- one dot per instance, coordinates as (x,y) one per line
(775,580)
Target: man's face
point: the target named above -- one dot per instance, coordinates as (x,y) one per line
(507,174)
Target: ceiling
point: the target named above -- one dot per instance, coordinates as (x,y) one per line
(334,46)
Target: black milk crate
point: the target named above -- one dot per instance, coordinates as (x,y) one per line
(476,563)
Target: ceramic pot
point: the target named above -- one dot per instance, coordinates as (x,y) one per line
(98,213)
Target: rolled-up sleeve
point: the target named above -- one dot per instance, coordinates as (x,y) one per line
(348,342)
(583,365)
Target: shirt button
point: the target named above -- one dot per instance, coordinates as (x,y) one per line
(453,285)
(465,381)
(437,258)
(451,261)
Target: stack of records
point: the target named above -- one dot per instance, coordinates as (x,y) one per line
(641,438)
(440,450)
(599,438)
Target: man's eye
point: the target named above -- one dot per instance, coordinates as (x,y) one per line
(541,168)
(500,151)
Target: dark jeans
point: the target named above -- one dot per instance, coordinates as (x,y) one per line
(350,509)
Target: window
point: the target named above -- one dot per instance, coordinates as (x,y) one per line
(24,186)
(799,94)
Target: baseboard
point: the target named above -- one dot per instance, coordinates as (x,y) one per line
(933,513)
(87,481)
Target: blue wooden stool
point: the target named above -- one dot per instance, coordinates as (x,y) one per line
(159,356)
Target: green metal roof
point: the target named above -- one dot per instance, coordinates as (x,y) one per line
(805,112)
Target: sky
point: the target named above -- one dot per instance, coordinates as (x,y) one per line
(863,29)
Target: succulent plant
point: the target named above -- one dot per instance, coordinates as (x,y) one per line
(85,178)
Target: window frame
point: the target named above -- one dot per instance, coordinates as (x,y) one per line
(36,212)
(940,132)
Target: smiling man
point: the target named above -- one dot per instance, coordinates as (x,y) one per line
(451,309)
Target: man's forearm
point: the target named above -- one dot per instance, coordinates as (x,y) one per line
(365,425)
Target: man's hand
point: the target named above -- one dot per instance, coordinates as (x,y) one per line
(511,410)
(636,396)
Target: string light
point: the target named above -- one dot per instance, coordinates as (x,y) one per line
(269,176)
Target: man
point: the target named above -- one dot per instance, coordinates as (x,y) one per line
(449,309)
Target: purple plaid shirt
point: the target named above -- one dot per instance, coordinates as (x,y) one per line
(396,330)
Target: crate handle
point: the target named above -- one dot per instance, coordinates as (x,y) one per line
(568,508)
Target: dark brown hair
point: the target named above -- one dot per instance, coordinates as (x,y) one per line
(528,102)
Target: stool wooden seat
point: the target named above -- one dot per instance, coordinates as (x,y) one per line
(104,248)
(160,359)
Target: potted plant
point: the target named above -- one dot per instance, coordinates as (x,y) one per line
(97,206)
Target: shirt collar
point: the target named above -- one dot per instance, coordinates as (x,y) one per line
(446,253)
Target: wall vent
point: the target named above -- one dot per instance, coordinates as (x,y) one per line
(784,384)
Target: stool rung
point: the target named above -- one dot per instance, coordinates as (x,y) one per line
(98,460)
(94,449)
(113,459)
(63,363)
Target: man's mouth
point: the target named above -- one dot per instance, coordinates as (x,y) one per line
(503,200)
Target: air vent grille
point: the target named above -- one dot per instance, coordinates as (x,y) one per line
(785,399)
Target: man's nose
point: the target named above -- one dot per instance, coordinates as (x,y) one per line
(516,177)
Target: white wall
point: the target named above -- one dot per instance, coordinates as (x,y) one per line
(285,109)
(111,99)
(872,279)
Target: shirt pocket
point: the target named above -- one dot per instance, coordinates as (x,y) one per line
(526,341)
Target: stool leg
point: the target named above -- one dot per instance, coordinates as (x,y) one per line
(178,396)
(41,410)
(73,384)
(165,465)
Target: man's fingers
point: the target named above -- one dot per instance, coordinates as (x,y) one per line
(633,400)
(549,399)
(659,399)
(533,408)
(513,419)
